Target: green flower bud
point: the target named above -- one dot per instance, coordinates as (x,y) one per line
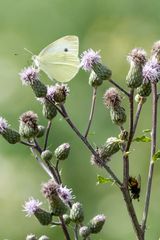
(144,90)
(57,207)
(84,232)
(49,189)
(118,115)
(31,237)
(46,155)
(49,110)
(41,131)
(94,81)
(112,146)
(66,219)
(62,151)
(103,72)
(112,98)
(139,99)
(76,213)
(123,135)
(156,50)
(45,218)
(137,59)
(28,127)
(60,93)
(97,223)
(102,158)
(39,88)
(11,136)
(43,238)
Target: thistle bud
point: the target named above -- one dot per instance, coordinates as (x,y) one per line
(29,76)
(58,92)
(62,151)
(76,213)
(46,155)
(28,127)
(118,115)
(91,60)
(137,59)
(112,98)
(31,237)
(123,135)
(139,99)
(96,223)
(112,146)
(57,206)
(8,134)
(66,219)
(102,71)
(41,131)
(43,238)
(156,50)
(144,90)
(101,159)
(84,232)
(45,218)
(49,110)
(32,207)
(94,81)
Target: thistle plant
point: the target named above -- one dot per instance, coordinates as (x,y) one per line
(64,209)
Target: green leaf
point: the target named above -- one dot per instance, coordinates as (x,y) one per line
(103,180)
(142,139)
(156,156)
(147,130)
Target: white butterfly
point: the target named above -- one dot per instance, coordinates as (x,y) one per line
(59,60)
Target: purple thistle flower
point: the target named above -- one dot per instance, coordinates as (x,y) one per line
(137,56)
(3,125)
(88,58)
(28,75)
(65,194)
(31,206)
(151,71)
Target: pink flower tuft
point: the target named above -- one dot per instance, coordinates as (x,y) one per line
(88,58)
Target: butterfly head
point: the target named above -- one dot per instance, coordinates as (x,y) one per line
(35,61)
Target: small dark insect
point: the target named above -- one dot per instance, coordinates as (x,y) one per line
(66,49)
(135,187)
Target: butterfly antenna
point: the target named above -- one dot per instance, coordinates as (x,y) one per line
(28,51)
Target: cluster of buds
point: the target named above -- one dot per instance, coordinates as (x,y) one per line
(142,72)
(112,100)
(91,62)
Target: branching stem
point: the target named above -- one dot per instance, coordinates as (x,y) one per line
(91,111)
(153,150)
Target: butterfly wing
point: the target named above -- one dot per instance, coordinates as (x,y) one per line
(59,60)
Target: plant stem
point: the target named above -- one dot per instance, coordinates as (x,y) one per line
(88,145)
(132,214)
(125,157)
(153,150)
(41,162)
(139,108)
(47,134)
(91,111)
(119,87)
(64,228)
(27,144)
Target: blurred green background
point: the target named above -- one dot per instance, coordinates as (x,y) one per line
(115,27)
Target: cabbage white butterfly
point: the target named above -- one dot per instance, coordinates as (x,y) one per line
(59,60)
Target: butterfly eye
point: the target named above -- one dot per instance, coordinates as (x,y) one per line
(66,49)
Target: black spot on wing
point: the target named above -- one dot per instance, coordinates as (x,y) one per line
(66,50)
